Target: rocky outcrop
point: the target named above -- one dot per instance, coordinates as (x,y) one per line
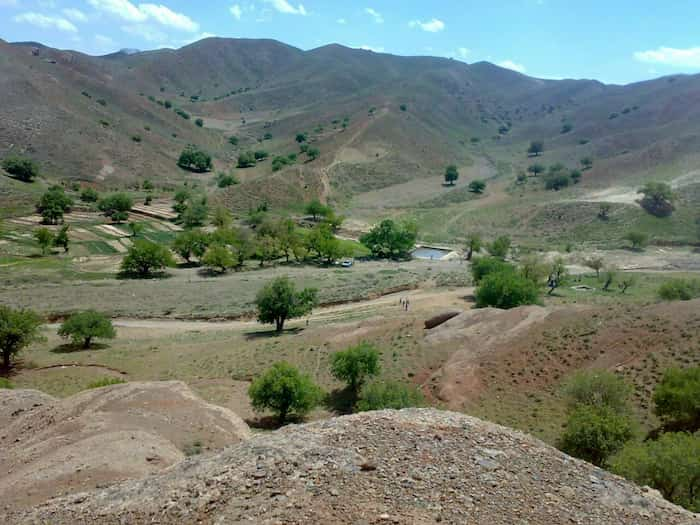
(411,466)
(50,447)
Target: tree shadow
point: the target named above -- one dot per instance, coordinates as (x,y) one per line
(271,422)
(210,273)
(341,401)
(122,276)
(186,265)
(71,348)
(267,334)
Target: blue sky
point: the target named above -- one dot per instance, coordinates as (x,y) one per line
(616,41)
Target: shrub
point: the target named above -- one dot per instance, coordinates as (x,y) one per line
(536,148)
(677,397)
(182,113)
(556,181)
(576,176)
(285,391)
(18,329)
(597,388)
(5,384)
(233,141)
(261,155)
(278,301)
(671,465)
(586,163)
(355,365)
(246,160)
(224,180)
(194,159)
(680,290)
(89,195)
(500,247)
(506,289)
(657,198)
(199,122)
(639,240)
(595,433)
(144,258)
(451,174)
(44,237)
(136,138)
(477,186)
(536,169)
(117,206)
(21,168)
(85,326)
(483,266)
(566,128)
(105,381)
(313,153)
(61,239)
(380,395)
(316,209)
(280,162)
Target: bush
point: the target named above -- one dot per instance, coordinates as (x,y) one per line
(536,169)
(105,381)
(89,195)
(194,159)
(285,391)
(233,141)
(313,153)
(21,168)
(355,364)
(483,266)
(556,181)
(199,122)
(597,388)
(44,237)
(261,155)
(451,174)
(144,258)
(506,289)
(680,290)
(658,198)
(224,180)
(5,384)
(117,206)
(477,186)
(500,247)
(536,148)
(677,397)
(380,395)
(246,160)
(639,240)
(83,327)
(595,433)
(671,465)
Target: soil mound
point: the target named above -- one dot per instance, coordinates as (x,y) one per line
(52,447)
(411,466)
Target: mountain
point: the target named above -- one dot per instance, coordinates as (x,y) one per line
(105,120)
(411,466)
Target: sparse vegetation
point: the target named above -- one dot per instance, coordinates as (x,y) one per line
(105,381)
(680,290)
(382,395)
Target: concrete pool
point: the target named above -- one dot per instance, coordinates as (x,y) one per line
(432,253)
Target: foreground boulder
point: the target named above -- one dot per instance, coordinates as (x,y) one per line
(51,447)
(412,466)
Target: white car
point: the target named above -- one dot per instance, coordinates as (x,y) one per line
(347,263)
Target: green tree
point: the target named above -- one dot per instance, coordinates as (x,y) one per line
(89,195)
(500,247)
(285,391)
(21,168)
(576,176)
(219,258)
(556,181)
(391,239)
(557,275)
(279,301)
(355,365)
(136,228)
(657,198)
(451,174)
(116,206)
(506,289)
(483,266)
(199,122)
(381,395)
(477,186)
(288,237)
(191,243)
(536,148)
(85,326)
(194,159)
(321,241)
(301,138)
(596,264)
(144,258)
(233,141)
(222,218)
(316,209)
(533,269)
(18,329)
(677,398)
(246,160)
(195,212)
(586,163)
(61,239)
(536,169)
(44,237)
(53,205)
(671,465)
(639,240)
(261,155)
(313,153)
(473,245)
(595,433)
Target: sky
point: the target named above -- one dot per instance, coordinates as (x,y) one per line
(614,41)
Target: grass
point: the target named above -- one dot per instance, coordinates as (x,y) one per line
(105,381)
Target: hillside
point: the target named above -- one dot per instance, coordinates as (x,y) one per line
(79,115)
(412,466)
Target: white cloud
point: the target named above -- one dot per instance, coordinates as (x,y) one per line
(509,64)
(9,3)
(463,52)
(147,32)
(197,38)
(283,6)
(75,14)
(669,56)
(378,18)
(236,11)
(104,41)
(121,8)
(159,13)
(46,22)
(165,16)
(371,48)
(342,21)
(431,26)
